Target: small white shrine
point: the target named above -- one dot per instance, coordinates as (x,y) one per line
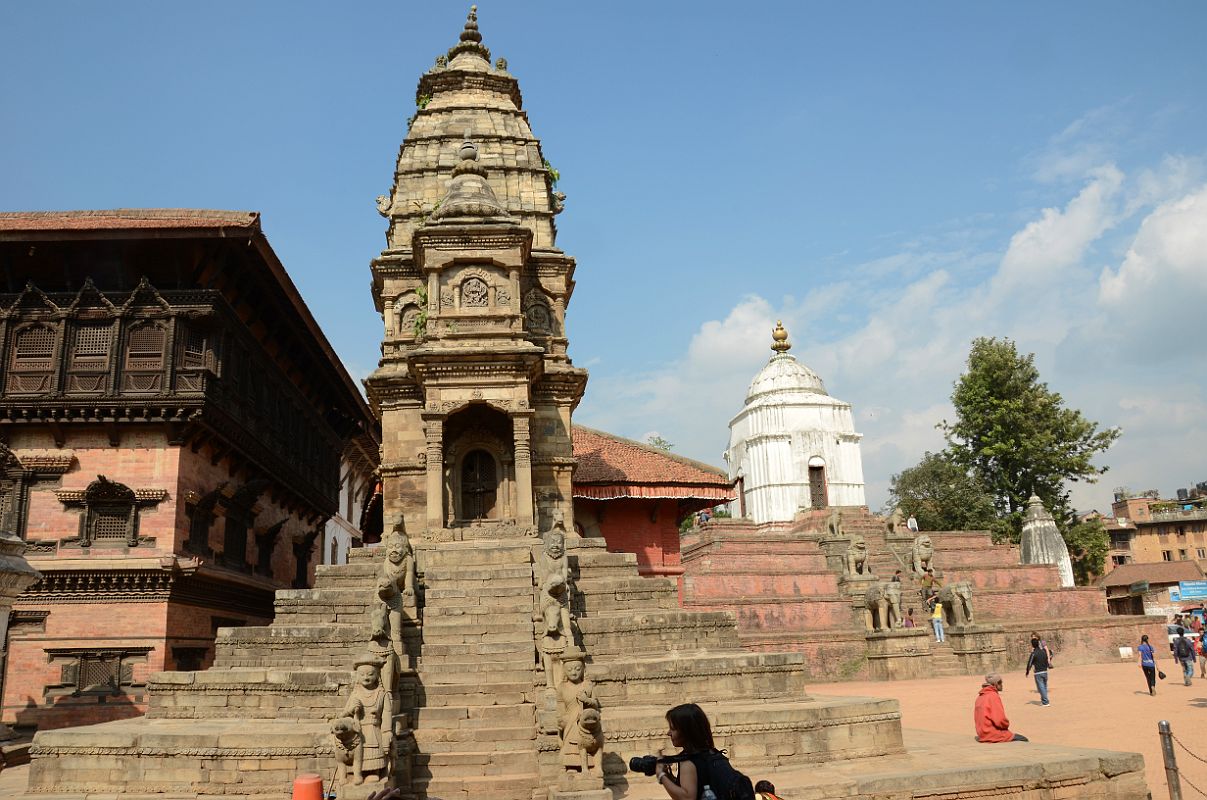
(792,446)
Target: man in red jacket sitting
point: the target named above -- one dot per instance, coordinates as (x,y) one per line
(989,715)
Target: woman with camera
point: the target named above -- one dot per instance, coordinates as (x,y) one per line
(688,729)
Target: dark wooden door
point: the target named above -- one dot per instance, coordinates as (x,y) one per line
(817,486)
(479,485)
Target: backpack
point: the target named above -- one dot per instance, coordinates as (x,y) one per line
(726,782)
(1182,648)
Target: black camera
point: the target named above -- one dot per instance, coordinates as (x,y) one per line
(647,764)
(643,764)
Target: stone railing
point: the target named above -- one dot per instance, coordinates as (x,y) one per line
(1179,515)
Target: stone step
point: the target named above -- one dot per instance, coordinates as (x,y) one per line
(247,693)
(515,786)
(517,611)
(473,763)
(514,715)
(522,646)
(460,674)
(514,626)
(477,737)
(505,575)
(477,553)
(502,693)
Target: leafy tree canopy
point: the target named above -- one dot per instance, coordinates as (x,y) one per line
(1088,544)
(943,496)
(1016,436)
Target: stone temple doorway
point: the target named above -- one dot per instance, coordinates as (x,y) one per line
(479,485)
(817,482)
(479,459)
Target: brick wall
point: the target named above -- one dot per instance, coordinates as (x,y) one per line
(79,625)
(648,528)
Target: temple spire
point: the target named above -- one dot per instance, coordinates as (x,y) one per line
(469,193)
(779,336)
(471,39)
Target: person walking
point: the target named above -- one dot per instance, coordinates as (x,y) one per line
(1148,663)
(989,715)
(1038,661)
(936,621)
(1183,653)
(1202,658)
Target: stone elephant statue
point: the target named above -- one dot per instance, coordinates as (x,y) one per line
(957,603)
(892,605)
(875,604)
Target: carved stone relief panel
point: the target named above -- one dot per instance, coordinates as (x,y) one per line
(475,293)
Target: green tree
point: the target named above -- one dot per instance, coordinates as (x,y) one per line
(1088,545)
(943,496)
(1016,436)
(658,443)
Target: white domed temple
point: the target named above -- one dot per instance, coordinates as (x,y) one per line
(793,446)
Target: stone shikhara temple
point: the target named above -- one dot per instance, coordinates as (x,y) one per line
(487,649)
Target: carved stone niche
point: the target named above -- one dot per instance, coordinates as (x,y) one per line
(477,289)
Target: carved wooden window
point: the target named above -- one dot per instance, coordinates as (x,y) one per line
(110,514)
(94,672)
(32,360)
(145,351)
(144,358)
(34,348)
(192,347)
(90,346)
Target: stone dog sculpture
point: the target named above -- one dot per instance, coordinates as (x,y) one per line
(923,554)
(857,557)
(957,603)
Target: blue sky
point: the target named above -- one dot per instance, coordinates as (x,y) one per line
(892,179)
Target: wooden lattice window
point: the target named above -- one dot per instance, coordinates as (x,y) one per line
(94,672)
(34,348)
(111,523)
(90,346)
(192,348)
(145,349)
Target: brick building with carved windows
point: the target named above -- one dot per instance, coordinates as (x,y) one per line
(176,437)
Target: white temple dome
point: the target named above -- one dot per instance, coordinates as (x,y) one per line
(784,373)
(793,447)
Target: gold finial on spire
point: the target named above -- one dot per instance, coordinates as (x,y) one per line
(779,335)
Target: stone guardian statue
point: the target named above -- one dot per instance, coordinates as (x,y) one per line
(578,716)
(369,712)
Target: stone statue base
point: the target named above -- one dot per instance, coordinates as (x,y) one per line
(899,654)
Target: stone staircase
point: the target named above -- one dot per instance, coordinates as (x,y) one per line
(247,725)
(476,724)
(943,661)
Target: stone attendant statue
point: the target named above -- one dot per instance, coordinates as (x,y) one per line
(834,525)
(578,717)
(957,603)
(371,711)
(552,645)
(923,554)
(553,575)
(857,557)
(381,644)
(396,584)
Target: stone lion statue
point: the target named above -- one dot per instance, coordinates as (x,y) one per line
(957,603)
(923,554)
(892,604)
(876,605)
(857,556)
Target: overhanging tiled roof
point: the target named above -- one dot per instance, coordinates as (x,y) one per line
(611,466)
(126,219)
(1163,572)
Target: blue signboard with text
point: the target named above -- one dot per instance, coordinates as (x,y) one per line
(1193,590)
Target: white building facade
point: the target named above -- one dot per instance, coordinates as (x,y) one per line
(792,446)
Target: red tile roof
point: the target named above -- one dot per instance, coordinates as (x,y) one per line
(612,466)
(126,219)
(1163,572)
